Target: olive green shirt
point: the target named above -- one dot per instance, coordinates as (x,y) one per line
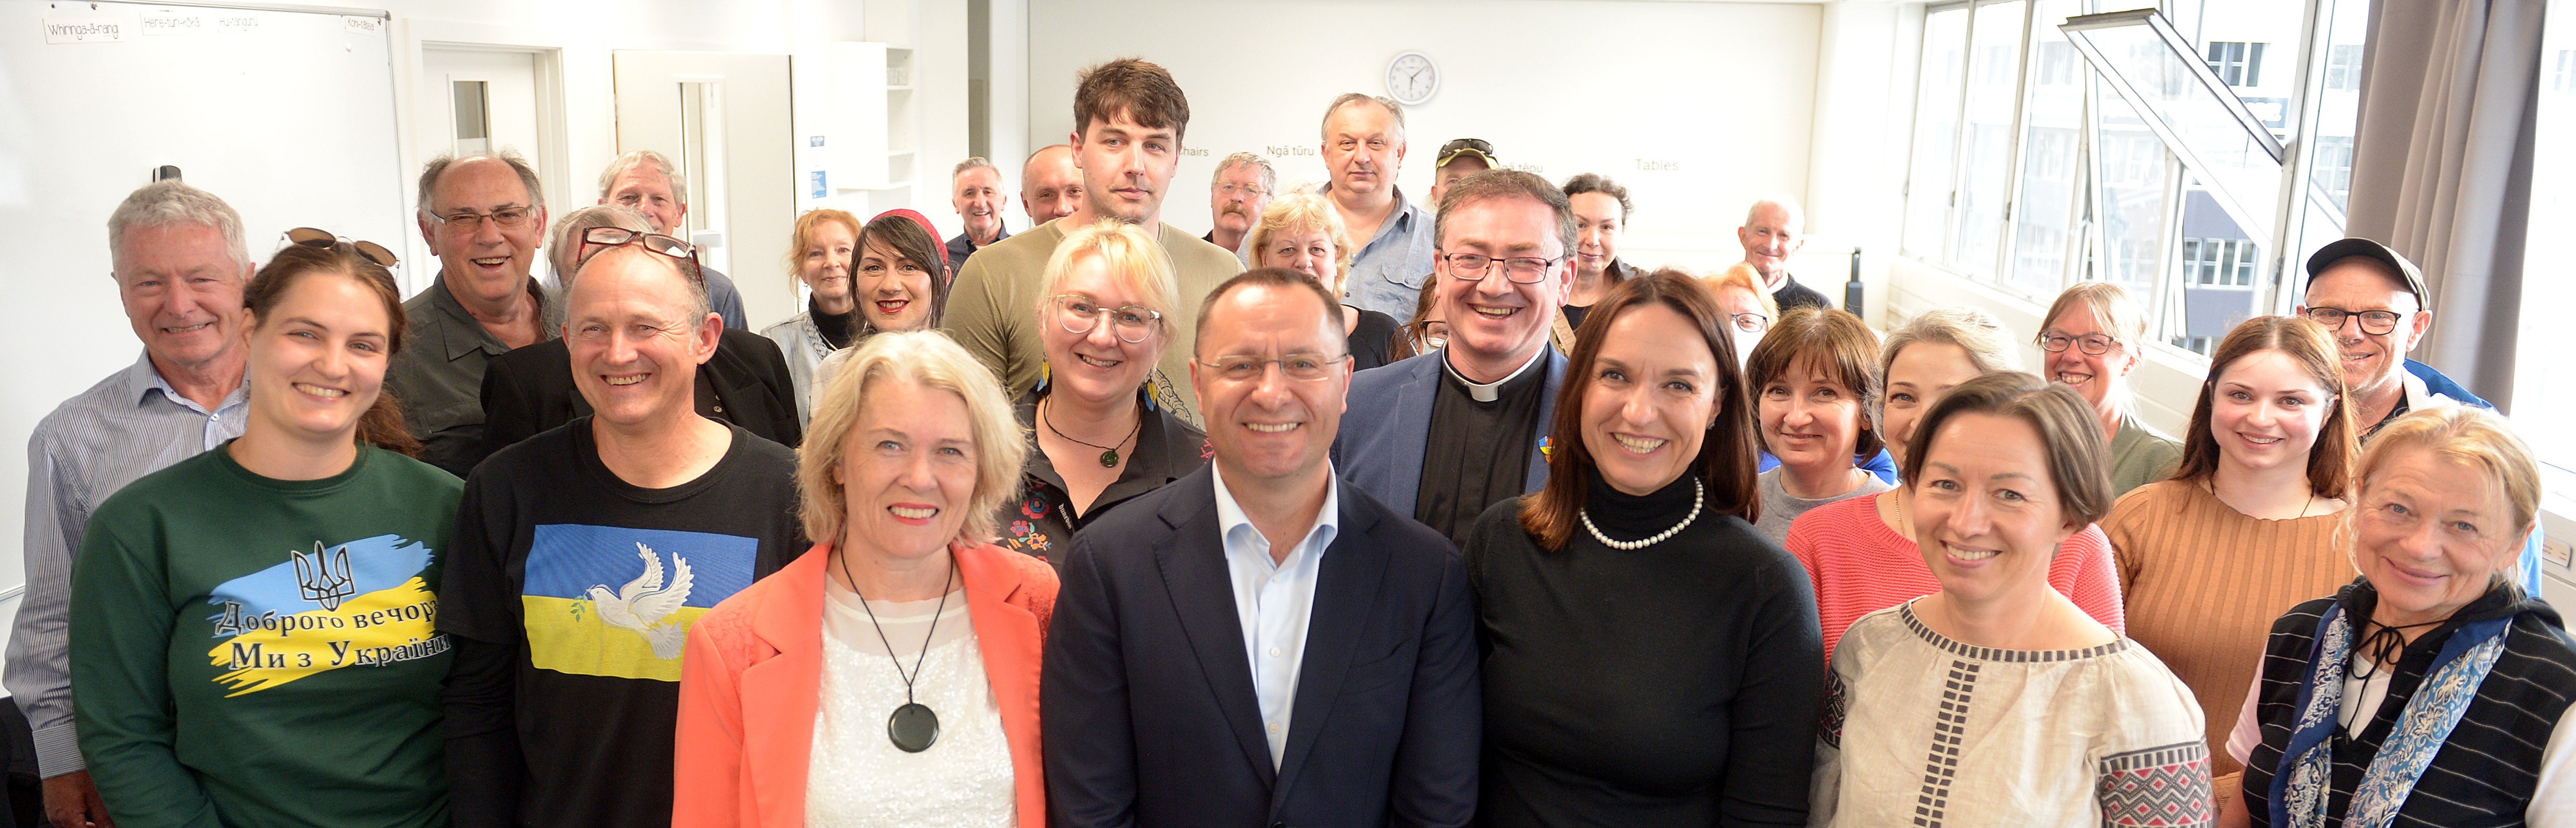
(2140,455)
(993,307)
(438,376)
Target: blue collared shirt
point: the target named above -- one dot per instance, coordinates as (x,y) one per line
(1273,599)
(1388,274)
(128,425)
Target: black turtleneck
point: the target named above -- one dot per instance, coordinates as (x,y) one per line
(1675,684)
(835,328)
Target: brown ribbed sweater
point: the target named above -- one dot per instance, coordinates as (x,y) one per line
(2205,582)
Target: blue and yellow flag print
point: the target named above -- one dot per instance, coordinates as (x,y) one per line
(618,602)
(359,603)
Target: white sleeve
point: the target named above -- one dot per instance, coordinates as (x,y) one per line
(2553,801)
(2248,733)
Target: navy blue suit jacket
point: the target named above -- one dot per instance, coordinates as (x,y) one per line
(1388,428)
(1150,717)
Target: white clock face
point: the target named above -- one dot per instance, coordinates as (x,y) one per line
(1412,79)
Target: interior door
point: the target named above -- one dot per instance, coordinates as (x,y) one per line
(724,119)
(475,102)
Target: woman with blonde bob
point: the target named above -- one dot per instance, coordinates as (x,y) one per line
(1102,422)
(2251,524)
(891,673)
(2093,337)
(1302,232)
(2431,691)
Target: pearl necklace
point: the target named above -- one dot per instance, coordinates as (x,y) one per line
(1698,496)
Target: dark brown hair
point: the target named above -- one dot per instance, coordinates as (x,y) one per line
(1726,454)
(2330,458)
(1598,183)
(1500,184)
(1142,91)
(382,424)
(914,243)
(2079,460)
(1271,277)
(1833,343)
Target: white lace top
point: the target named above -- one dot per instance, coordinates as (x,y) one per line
(857,776)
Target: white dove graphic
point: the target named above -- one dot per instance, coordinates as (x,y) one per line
(645,604)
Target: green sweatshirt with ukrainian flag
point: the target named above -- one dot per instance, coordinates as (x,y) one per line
(251,652)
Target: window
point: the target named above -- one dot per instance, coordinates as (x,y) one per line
(2334,166)
(1936,132)
(2236,63)
(2219,262)
(2544,390)
(1985,167)
(2564,78)
(2343,67)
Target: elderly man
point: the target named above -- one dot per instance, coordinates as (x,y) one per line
(1363,150)
(1459,159)
(648,182)
(975,189)
(1601,209)
(483,217)
(1301,653)
(1774,229)
(177,255)
(1128,120)
(1456,430)
(1243,186)
(531,390)
(582,555)
(1050,186)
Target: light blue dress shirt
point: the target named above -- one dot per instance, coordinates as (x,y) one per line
(1390,269)
(1273,599)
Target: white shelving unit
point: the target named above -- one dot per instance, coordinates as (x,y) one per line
(858,128)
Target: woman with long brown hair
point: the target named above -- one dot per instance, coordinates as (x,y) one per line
(252,627)
(1649,656)
(2249,525)
(887,275)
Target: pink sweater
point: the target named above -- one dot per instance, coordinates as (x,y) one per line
(1860,566)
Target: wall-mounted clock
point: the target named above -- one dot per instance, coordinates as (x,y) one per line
(1411,78)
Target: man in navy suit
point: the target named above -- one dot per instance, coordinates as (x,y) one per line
(1255,644)
(1446,434)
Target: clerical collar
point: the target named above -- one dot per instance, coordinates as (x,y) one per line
(1486,392)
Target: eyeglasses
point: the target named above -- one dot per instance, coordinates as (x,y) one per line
(470,221)
(1249,190)
(1751,322)
(2373,322)
(597,239)
(1299,367)
(2094,344)
(315,237)
(1079,315)
(1527,270)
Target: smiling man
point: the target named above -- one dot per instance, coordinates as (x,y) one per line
(583,554)
(2372,301)
(1050,186)
(1456,430)
(975,190)
(1312,653)
(1363,150)
(1774,229)
(646,182)
(179,262)
(483,217)
(1128,119)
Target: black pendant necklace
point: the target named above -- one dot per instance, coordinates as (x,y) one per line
(914,727)
(1108,454)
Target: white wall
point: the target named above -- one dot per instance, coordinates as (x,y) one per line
(1724,91)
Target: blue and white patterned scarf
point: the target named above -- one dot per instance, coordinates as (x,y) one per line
(2305,776)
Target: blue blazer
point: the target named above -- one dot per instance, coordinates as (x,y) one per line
(1150,718)
(1385,433)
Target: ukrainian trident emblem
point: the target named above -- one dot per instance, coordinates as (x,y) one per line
(324,578)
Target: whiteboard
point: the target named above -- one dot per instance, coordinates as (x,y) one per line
(285,112)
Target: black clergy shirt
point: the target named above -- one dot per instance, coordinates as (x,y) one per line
(1479,448)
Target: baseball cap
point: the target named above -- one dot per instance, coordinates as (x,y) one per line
(1468,146)
(2342,249)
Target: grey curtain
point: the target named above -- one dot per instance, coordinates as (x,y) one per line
(2441,168)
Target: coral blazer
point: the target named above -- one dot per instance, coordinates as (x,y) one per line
(753,672)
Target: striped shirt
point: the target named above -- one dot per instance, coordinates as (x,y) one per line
(1860,566)
(128,425)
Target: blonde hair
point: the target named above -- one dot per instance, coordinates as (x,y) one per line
(2111,306)
(1134,258)
(931,360)
(1305,213)
(2472,437)
(1745,277)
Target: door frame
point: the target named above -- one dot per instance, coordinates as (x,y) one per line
(552,156)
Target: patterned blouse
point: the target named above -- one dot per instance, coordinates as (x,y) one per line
(1041,519)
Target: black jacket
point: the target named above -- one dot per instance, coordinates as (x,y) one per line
(530,390)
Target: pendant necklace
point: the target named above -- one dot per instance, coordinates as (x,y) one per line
(1698,495)
(913,727)
(1108,453)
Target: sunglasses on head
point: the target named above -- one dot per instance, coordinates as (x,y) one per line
(597,239)
(325,239)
